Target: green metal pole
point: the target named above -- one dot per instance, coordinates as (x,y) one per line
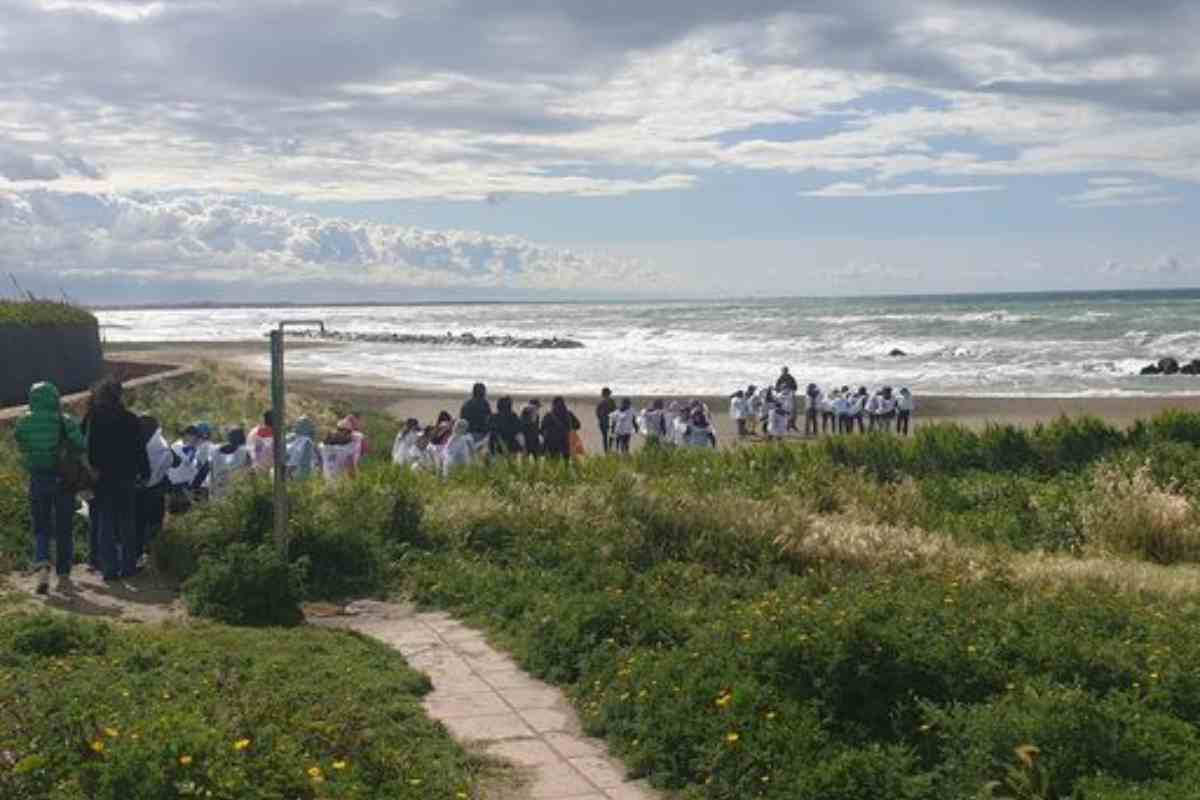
(278,410)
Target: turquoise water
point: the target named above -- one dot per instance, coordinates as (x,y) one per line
(984,345)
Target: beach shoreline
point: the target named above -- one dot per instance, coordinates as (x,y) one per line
(425,404)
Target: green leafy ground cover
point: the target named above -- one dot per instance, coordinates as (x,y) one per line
(43,312)
(100,712)
(866,617)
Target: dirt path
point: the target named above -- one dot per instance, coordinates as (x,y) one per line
(145,598)
(486,701)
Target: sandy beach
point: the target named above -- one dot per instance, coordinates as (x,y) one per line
(425,405)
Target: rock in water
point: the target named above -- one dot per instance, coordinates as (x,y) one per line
(897,353)
(1168,366)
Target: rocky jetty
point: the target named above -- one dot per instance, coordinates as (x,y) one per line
(459,340)
(1172,366)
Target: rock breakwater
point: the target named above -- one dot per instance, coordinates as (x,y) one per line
(447,339)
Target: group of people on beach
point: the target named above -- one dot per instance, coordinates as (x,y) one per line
(479,433)
(776,409)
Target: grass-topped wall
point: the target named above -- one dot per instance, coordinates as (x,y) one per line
(47,341)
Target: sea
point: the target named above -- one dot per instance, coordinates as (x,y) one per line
(985,345)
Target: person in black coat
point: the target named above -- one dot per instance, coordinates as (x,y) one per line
(557,427)
(786,381)
(117,452)
(506,429)
(477,411)
(531,427)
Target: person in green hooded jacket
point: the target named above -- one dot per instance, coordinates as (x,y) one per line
(38,435)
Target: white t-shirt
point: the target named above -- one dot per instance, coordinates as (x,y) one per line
(621,423)
(738,408)
(787,400)
(404,450)
(160,456)
(337,460)
(188,468)
(777,423)
(653,423)
(905,402)
(225,468)
(887,405)
(262,450)
(460,452)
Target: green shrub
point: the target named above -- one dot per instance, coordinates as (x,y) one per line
(247,585)
(53,636)
(1130,514)
(1072,443)
(1174,425)
(202,710)
(35,313)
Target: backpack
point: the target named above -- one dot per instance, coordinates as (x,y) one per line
(71,462)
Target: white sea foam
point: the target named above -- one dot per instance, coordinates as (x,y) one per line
(1038,346)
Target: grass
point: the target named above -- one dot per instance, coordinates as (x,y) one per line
(36,313)
(868,617)
(103,712)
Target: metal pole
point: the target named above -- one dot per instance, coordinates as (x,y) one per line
(279,426)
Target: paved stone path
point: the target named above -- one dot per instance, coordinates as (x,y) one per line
(484,699)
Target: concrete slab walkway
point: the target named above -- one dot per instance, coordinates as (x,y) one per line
(485,700)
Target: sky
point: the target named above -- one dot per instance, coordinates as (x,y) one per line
(345,150)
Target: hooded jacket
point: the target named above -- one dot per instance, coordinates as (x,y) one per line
(116,448)
(39,430)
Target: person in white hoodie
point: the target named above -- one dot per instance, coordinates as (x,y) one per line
(872,410)
(460,450)
(151,499)
(622,425)
(786,398)
(739,409)
(653,424)
(828,411)
(754,407)
(904,411)
(405,446)
(887,408)
(261,444)
(229,461)
(697,432)
(425,456)
(778,420)
(303,457)
(339,453)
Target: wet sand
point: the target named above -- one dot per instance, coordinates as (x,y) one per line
(406,402)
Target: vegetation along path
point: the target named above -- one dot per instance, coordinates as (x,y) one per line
(483,698)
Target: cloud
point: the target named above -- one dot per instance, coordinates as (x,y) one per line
(1118,193)
(901,190)
(469,99)
(223,239)
(1165,266)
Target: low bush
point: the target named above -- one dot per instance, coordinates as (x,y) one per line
(207,711)
(247,585)
(35,313)
(1130,514)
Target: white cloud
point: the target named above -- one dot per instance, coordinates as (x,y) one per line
(902,190)
(1165,266)
(222,239)
(1117,193)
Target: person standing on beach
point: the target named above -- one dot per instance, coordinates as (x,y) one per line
(506,429)
(117,452)
(261,443)
(904,411)
(557,427)
(604,410)
(654,424)
(39,435)
(812,409)
(531,422)
(624,425)
(786,381)
(477,411)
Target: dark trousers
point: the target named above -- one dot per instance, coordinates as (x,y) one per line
(151,510)
(53,512)
(902,418)
(623,444)
(810,422)
(604,434)
(117,529)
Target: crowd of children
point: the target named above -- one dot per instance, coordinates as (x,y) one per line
(775,410)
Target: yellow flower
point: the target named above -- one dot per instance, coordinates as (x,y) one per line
(112,733)
(241,744)
(315,774)
(732,737)
(339,765)
(724,700)
(97,746)
(770,715)
(1028,754)
(185,761)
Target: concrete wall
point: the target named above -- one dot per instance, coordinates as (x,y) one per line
(70,357)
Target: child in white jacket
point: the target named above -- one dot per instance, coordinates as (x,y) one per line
(460,450)
(404,449)
(622,425)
